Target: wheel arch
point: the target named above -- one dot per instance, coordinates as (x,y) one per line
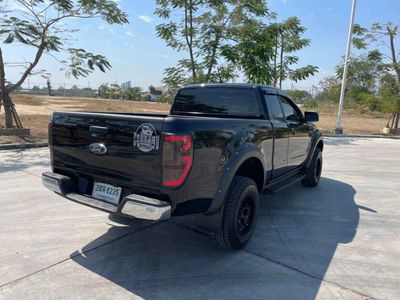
(241,161)
(320,145)
(253,169)
(317,142)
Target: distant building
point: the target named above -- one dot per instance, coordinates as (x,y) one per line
(154,94)
(126,85)
(144,94)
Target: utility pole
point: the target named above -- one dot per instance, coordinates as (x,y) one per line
(339,128)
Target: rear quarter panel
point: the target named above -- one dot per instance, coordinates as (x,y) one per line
(216,143)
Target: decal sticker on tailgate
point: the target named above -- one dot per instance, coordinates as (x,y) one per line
(145,138)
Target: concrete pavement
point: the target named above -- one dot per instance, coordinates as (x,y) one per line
(339,240)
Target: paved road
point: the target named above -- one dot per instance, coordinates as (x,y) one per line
(339,240)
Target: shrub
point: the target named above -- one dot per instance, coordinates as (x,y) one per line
(311,104)
(165,99)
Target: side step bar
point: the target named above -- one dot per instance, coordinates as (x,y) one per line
(133,205)
(276,187)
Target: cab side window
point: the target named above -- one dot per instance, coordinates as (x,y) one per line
(291,113)
(274,107)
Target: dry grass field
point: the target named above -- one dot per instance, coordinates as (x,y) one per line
(353,121)
(35,113)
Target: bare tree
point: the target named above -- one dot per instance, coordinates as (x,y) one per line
(41,25)
(48,83)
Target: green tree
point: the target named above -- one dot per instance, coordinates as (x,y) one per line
(289,40)
(299,96)
(386,33)
(370,83)
(110,91)
(203,31)
(41,25)
(180,34)
(221,26)
(363,79)
(389,93)
(114,91)
(102,91)
(328,89)
(35,89)
(364,72)
(133,93)
(253,52)
(266,53)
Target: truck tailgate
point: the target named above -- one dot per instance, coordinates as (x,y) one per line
(120,149)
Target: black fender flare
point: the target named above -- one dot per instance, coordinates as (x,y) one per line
(211,220)
(317,137)
(238,157)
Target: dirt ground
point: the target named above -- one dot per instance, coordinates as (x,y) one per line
(45,105)
(35,112)
(352,124)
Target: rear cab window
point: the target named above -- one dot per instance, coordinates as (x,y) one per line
(274,107)
(291,112)
(217,101)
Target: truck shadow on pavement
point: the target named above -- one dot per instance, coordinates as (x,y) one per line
(297,234)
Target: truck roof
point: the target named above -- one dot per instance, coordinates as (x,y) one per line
(271,89)
(229,85)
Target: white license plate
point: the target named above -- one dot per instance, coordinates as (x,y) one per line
(106,192)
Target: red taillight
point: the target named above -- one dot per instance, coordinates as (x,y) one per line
(177,159)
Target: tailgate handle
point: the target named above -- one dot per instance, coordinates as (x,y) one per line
(98,131)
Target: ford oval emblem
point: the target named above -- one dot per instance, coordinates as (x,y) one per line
(99,149)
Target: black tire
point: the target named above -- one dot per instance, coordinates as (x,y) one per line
(240,213)
(313,172)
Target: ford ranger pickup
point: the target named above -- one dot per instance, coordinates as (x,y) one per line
(218,149)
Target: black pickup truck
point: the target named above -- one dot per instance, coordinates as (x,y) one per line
(218,149)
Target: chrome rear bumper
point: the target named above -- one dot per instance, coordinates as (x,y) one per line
(133,205)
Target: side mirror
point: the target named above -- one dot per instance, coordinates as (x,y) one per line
(310,116)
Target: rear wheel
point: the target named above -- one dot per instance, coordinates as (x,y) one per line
(240,213)
(314,170)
